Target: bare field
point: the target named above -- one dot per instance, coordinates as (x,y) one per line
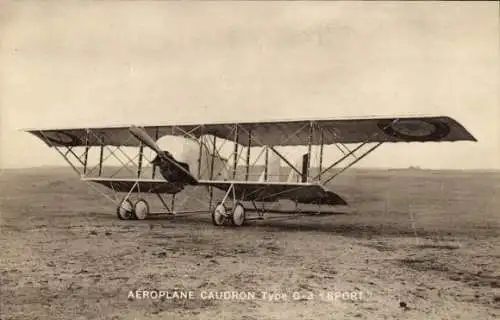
(65,255)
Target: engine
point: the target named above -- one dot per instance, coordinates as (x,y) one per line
(171,169)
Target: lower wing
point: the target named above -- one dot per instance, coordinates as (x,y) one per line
(138,185)
(273,191)
(243,190)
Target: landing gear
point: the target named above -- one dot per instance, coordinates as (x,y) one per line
(219,214)
(141,209)
(125,210)
(128,211)
(238,215)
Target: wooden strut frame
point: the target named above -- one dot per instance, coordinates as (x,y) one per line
(80,162)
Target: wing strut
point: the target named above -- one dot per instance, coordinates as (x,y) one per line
(340,160)
(354,162)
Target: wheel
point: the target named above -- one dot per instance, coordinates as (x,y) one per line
(238,215)
(141,209)
(219,214)
(125,210)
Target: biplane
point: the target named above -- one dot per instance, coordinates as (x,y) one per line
(202,162)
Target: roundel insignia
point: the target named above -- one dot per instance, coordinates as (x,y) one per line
(415,129)
(62,138)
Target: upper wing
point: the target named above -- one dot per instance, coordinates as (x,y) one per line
(278,133)
(274,191)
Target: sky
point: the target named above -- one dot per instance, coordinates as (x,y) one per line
(81,64)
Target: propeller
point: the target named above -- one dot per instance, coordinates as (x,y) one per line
(141,135)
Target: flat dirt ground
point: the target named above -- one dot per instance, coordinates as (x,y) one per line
(416,245)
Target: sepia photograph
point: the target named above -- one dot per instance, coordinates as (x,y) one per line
(249,160)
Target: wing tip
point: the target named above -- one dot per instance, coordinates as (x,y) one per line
(470,136)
